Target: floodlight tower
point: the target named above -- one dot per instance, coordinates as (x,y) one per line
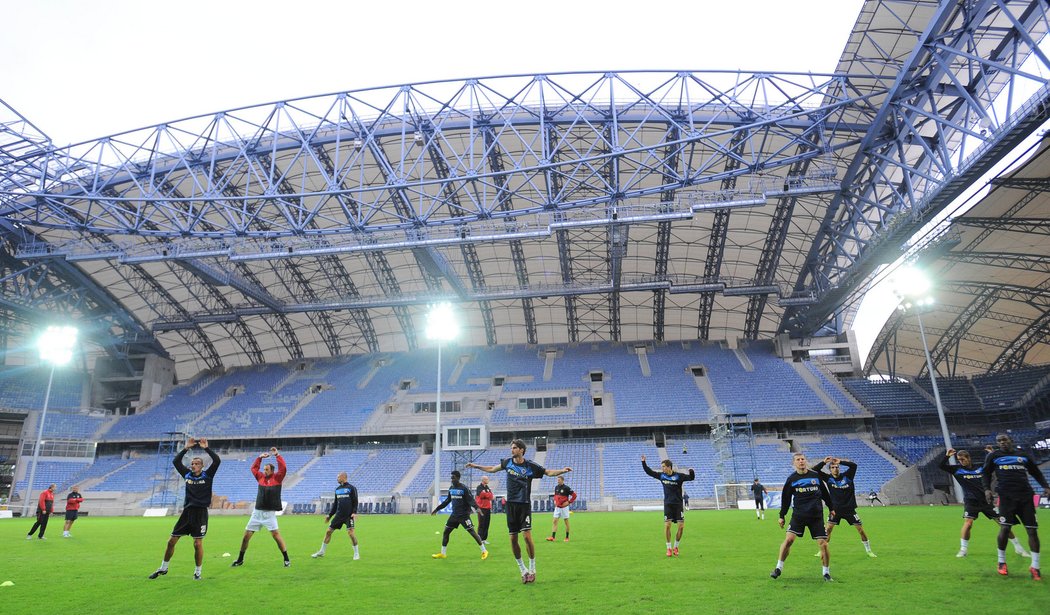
(441,327)
(56,347)
(912,288)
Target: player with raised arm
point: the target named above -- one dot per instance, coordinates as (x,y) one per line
(673,503)
(1010,467)
(563,496)
(807,489)
(343,512)
(462,501)
(267,504)
(520,474)
(193,521)
(841,488)
(759,491)
(971,480)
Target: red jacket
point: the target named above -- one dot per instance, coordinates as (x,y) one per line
(484,499)
(46,504)
(275,479)
(73,501)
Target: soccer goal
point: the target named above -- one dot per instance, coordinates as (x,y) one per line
(734,495)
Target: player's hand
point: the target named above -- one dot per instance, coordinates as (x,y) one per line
(781,521)
(190,443)
(988,448)
(353,516)
(989,496)
(264,455)
(471,465)
(827,459)
(643,458)
(567,470)
(203,442)
(950,452)
(274,451)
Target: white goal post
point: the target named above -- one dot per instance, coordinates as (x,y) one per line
(734,495)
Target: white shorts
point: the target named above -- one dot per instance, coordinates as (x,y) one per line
(261,519)
(561,513)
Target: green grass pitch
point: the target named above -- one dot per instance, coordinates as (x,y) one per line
(615,563)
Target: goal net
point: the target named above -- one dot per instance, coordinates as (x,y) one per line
(734,495)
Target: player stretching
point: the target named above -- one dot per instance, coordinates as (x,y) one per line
(974,503)
(462,501)
(843,497)
(673,505)
(44,507)
(808,491)
(343,512)
(563,496)
(759,491)
(1011,468)
(193,521)
(267,503)
(520,474)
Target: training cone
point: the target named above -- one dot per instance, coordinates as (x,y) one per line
(226,555)
(7,584)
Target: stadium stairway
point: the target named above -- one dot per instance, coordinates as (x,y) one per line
(297,477)
(406,480)
(812,382)
(303,401)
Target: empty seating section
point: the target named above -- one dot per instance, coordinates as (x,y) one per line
(24,388)
(668,394)
(78,426)
(255,411)
(320,477)
(622,470)
(888,397)
(847,405)
(582,415)
(47,472)
(915,447)
(873,470)
(384,469)
(583,458)
(695,453)
(341,407)
(957,393)
(1004,390)
(171,414)
(505,361)
(772,389)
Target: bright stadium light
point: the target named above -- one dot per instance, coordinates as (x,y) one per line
(56,347)
(914,294)
(441,327)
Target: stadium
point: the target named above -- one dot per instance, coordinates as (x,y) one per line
(670,264)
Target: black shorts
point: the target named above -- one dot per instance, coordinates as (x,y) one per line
(519,517)
(849,516)
(673,513)
(71,515)
(973,510)
(454,522)
(1014,510)
(760,502)
(193,522)
(339,522)
(799,524)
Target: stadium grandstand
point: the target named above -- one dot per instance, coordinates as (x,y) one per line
(670,264)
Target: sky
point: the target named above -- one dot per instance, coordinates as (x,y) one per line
(83,70)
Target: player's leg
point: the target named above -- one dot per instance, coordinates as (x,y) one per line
(782,554)
(36,526)
(863,538)
(964,535)
(515,548)
(353,539)
(444,540)
(1000,543)
(244,546)
(667,534)
(554,530)
(566,529)
(825,558)
(324,543)
(280,545)
(198,557)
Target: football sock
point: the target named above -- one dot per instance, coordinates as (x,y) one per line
(197,570)
(964,544)
(355,550)
(780,564)
(826,569)
(323,547)
(1035,560)
(443,549)
(164,566)
(867,545)
(566,535)
(240,558)
(285,554)
(521,566)
(668,545)
(554,534)
(676,543)
(532,565)
(482,547)
(1017,544)
(1002,556)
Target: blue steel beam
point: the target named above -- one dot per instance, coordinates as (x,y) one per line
(949,116)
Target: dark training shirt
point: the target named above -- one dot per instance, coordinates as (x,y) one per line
(841,489)
(198,488)
(1011,470)
(971,481)
(672,483)
(345,501)
(461,498)
(519,479)
(808,491)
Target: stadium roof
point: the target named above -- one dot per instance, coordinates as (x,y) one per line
(551,208)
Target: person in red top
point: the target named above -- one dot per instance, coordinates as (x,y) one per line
(267,503)
(44,506)
(484,499)
(73,501)
(563,496)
